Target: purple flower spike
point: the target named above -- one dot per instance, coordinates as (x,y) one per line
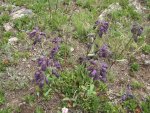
(127,94)
(41,84)
(93,62)
(36,34)
(103,72)
(40,78)
(104,51)
(102,27)
(57,65)
(54,51)
(94,72)
(44,63)
(136,31)
(37,75)
(33,32)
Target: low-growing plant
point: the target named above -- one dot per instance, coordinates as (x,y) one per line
(24,23)
(81,22)
(6,110)
(4,18)
(29,99)
(145,105)
(130,105)
(2,97)
(146,49)
(39,110)
(57,19)
(134,66)
(136,85)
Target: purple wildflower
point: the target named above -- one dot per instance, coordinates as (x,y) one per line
(44,63)
(103,71)
(33,32)
(40,78)
(136,30)
(36,34)
(128,94)
(54,51)
(104,51)
(102,27)
(93,72)
(57,64)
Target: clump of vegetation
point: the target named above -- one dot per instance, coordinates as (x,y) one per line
(82,82)
(2,97)
(134,66)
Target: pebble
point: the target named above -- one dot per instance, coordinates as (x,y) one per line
(147,62)
(13,40)
(8,26)
(71,49)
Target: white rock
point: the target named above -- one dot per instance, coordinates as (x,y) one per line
(71,49)
(13,40)
(147,62)
(8,26)
(20,13)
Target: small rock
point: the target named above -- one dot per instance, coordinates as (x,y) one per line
(20,13)
(24,60)
(13,40)
(123,61)
(28,65)
(147,62)
(71,49)
(8,26)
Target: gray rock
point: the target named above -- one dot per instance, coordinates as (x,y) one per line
(147,62)
(20,13)
(8,26)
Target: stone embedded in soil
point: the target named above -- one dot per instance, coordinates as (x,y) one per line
(13,40)
(71,49)
(20,13)
(8,26)
(147,62)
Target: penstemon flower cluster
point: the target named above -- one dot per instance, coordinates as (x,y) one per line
(46,62)
(36,35)
(98,70)
(128,94)
(136,31)
(104,51)
(102,27)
